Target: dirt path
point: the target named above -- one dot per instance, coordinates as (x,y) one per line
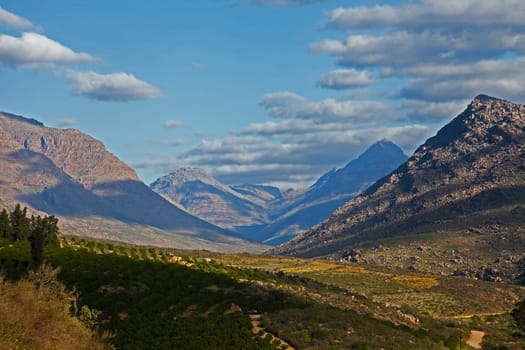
(256,328)
(475,338)
(484,314)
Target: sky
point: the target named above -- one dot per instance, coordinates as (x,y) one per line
(271,92)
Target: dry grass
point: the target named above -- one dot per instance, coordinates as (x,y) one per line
(39,318)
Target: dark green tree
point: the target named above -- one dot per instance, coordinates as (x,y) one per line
(37,246)
(6,231)
(20,224)
(519,315)
(43,231)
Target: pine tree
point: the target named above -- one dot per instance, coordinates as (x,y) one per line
(6,231)
(20,224)
(37,240)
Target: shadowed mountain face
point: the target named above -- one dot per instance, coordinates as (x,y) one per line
(472,167)
(71,175)
(262,213)
(333,189)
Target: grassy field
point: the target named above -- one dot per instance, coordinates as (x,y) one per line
(164,298)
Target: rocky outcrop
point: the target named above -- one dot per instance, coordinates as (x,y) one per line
(474,164)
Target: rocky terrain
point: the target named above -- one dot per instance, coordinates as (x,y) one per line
(263,213)
(465,185)
(298,213)
(71,175)
(203,196)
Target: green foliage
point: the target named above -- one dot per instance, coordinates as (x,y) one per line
(360,345)
(40,231)
(6,230)
(20,224)
(519,315)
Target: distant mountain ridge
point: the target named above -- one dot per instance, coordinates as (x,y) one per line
(332,190)
(72,175)
(207,198)
(474,167)
(263,213)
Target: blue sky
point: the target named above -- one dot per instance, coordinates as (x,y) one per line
(256,91)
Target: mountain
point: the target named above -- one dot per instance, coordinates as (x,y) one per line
(203,196)
(71,175)
(300,212)
(462,191)
(262,213)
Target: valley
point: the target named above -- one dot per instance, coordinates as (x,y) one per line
(151,297)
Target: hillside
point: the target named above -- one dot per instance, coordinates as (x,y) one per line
(72,175)
(203,196)
(463,188)
(158,298)
(330,191)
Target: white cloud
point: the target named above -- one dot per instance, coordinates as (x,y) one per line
(346,79)
(34,48)
(110,87)
(297,158)
(10,20)
(67,122)
(437,51)
(174,123)
(427,13)
(289,105)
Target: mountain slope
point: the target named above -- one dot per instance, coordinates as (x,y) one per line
(73,176)
(472,172)
(205,197)
(332,190)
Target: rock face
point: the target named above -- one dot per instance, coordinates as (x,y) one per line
(207,198)
(472,167)
(71,175)
(333,189)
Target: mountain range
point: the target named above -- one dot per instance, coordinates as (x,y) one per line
(71,175)
(263,213)
(464,185)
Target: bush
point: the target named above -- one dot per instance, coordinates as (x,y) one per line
(39,317)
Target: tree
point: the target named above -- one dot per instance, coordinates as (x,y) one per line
(6,230)
(20,224)
(43,231)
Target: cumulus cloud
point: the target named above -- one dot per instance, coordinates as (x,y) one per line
(67,122)
(172,123)
(119,87)
(346,79)
(297,158)
(464,81)
(289,105)
(34,48)
(425,13)
(440,51)
(294,150)
(10,20)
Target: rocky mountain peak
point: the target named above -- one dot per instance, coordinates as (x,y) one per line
(183,176)
(479,154)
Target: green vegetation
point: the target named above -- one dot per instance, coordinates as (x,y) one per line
(146,297)
(39,231)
